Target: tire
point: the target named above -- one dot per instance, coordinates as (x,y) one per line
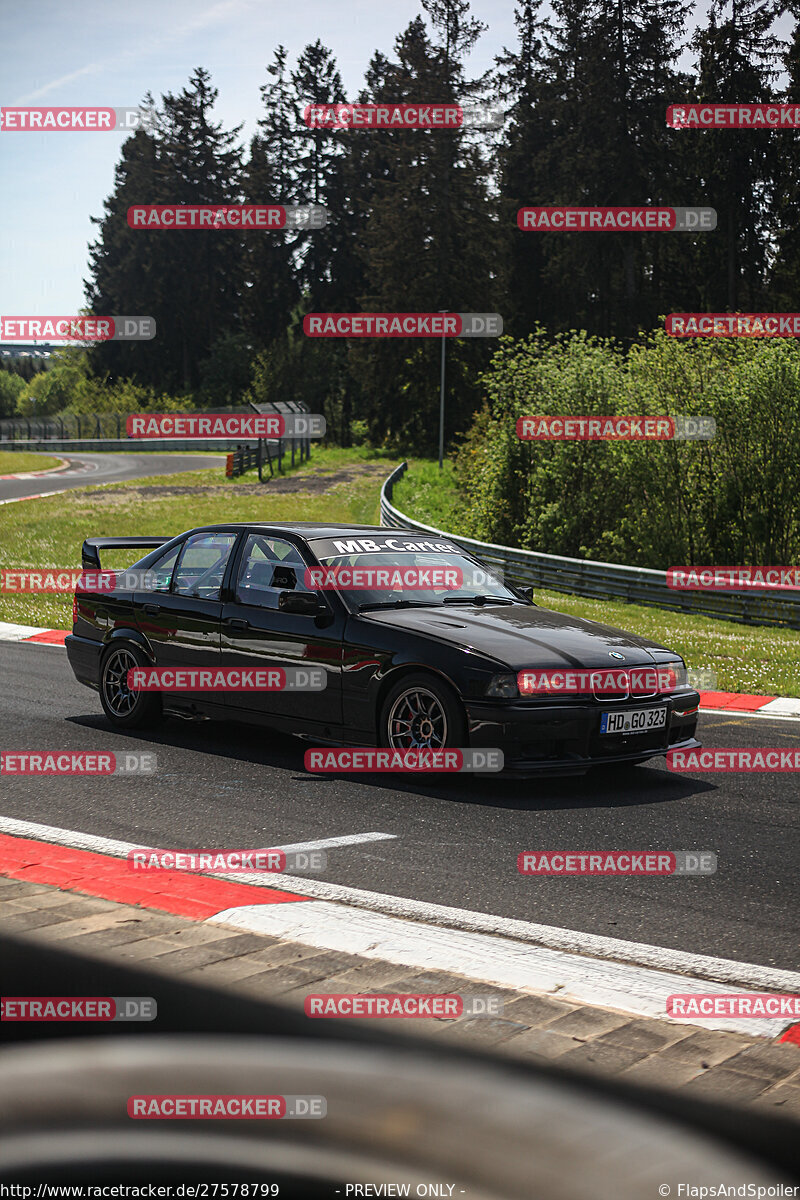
(408,1113)
(441,721)
(125,708)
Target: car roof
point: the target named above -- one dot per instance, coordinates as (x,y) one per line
(310,530)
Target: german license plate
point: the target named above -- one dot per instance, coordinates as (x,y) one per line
(634,720)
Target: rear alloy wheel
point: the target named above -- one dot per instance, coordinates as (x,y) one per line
(125,706)
(421,713)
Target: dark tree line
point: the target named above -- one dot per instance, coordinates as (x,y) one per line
(422,221)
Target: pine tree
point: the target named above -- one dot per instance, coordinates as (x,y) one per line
(738,55)
(203,163)
(430,242)
(189,280)
(785,227)
(272,289)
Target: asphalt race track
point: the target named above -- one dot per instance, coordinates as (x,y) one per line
(456,842)
(88,469)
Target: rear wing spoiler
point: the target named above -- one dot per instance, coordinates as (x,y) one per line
(90,551)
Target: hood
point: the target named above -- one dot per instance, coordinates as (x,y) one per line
(525,636)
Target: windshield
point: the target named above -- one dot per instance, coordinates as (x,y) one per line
(430,578)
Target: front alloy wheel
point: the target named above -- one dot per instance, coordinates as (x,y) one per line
(417,721)
(421,713)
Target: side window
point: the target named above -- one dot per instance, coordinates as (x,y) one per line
(269,566)
(162,570)
(201,566)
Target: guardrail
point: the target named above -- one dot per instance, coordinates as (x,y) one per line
(69,427)
(604,581)
(125,444)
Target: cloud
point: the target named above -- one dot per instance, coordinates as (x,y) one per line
(223,11)
(62,81)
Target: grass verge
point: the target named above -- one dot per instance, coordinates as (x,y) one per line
(14,461)
(757,659)
(428,494)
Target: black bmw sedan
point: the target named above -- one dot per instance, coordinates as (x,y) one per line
(415,644)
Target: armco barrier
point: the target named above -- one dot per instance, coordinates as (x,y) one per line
(126,445)
(101,430)
(603,581)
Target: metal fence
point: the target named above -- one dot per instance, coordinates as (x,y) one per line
(270,452)
(68,427)
(603,581)
(110,427)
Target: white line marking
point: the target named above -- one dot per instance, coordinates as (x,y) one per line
(739,712)
(18,499)
(491,960)
(781,706)
(574,942)
(102,845)
(350,839)
(16,633)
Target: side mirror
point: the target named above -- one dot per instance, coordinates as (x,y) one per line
(305,604)
(526,593)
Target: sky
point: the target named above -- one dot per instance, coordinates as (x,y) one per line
(97,53)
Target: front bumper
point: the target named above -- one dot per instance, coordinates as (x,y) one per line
(564,738)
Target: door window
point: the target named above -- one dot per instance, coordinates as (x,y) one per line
(202,565)
(269,566)
(161,571)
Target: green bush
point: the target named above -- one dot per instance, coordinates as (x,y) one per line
(11,388)
(735,499)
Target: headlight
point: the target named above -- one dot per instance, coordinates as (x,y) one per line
(678,675)
(503,687)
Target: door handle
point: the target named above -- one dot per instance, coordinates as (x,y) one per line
(238,623)
(152,608)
